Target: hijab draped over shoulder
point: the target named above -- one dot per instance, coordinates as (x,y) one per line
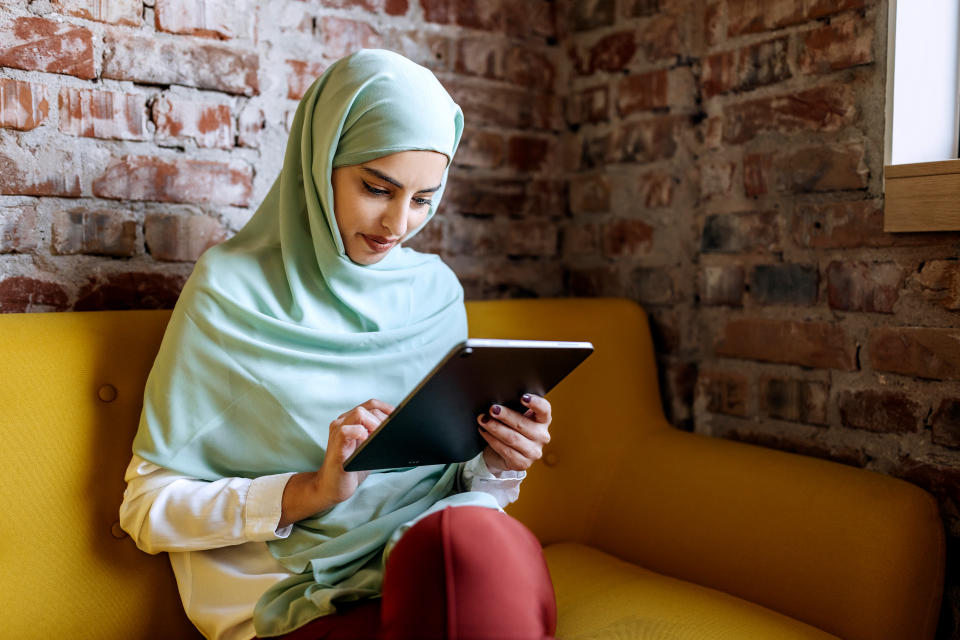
(277,332)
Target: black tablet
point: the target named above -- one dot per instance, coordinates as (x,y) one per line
(437,422)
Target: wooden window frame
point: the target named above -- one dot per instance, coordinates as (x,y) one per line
(924,196)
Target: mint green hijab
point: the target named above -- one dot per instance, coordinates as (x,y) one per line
(277,332)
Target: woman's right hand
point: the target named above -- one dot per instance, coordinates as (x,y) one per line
(347,433)
(308,493)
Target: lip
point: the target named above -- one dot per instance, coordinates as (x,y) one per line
(378,244)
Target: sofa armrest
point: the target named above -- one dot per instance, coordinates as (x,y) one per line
(854,552)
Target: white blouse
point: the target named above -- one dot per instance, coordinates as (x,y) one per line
(216,533)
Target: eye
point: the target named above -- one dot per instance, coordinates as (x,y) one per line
(374,190)
(423,202)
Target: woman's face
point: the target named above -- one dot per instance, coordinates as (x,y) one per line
(378,202)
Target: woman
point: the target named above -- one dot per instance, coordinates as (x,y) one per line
(310,309)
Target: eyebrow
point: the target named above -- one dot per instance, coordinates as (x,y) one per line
(393,181)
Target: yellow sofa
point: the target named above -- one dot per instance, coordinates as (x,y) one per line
(649,532)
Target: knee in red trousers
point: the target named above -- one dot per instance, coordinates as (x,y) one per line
(468,573)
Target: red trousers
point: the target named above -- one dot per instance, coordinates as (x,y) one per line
(468,573)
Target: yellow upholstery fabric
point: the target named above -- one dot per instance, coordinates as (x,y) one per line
(854,553)
(633,602)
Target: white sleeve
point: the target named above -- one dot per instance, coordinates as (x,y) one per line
(163,510)
(502,485)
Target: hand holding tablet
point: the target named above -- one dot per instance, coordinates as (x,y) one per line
(437,422)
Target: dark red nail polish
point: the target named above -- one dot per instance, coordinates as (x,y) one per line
(484,418)
(526,397)
(495,410)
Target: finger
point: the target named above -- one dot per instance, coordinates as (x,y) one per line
(373,403)
(367,419)
(540,406)
(527,426)
(354,432)
(380,415)
(513,439)
(513,460)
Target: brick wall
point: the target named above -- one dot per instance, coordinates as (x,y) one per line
(726,165)
(719,161)
(136,134)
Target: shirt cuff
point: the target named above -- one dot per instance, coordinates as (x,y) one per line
(263,508)
(504,485)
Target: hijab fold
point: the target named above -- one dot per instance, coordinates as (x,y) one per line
(277,332)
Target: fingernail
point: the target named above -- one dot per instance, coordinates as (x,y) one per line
(482,430)
(484,418)
(526,397)
(495,410)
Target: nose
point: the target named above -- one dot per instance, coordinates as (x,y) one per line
(396,218)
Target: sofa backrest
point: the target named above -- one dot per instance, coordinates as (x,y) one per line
(71,397)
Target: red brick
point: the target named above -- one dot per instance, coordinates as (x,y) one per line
(808,344)
(827,168)
(613,52)
(142,57)
(826,108)
(175,180)
(396,7)
(21,294)
(644,141)
(302,75)
(129,291)
(716,177)
(473,236)
(627,238)
(486,196)
(595,281)
(103,114)
(722,285)
(655,189)
(642,92)
(341,36)
(512,279)
(49,170)
(505,107)
(479,14)
(373,6)
(945,423)
(879,410)
(527,153)
(942,481)
(838,45)
(529,238)
(536,18)
(712,23)
(429,240)
(180,238)
(23,105)
(209,125)
(94,231)
(652,286)
(659,37)
(597,150)
(128,12)
(584,16)
(864,287)
(478,57)
(724,392)
(713,133)
(223,19)
(641,8)
(481,149)
(439,11)
(546,197)
(745,68)
(432,50)
(925,352)
(737,232)
(38,44)
(752,16)
(940,282)
(757,172)
(250,124)
(785,283)
(589,193)
(841,454)
(18,229)
(581,239)
(852,224)
(794,400)
(529,67)
(589,105)
(293,19)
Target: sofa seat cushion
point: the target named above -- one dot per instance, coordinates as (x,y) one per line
(602,597)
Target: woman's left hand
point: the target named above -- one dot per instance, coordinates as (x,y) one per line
(514,440)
